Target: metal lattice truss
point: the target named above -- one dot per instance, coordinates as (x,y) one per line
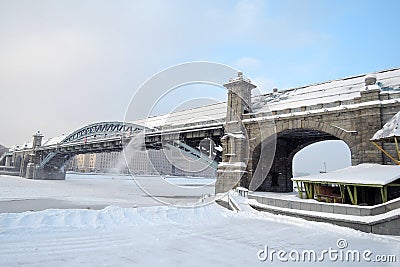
(103,129)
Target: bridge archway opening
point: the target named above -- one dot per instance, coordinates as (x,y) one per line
(17,163)
(23,165)
(288,144)
(321,157)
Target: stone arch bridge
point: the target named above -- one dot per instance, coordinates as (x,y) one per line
(259,135)
(278,125)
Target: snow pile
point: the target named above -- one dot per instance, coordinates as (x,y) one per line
(361,174)
(110,217)
(389,130)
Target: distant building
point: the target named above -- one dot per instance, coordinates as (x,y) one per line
(150,162)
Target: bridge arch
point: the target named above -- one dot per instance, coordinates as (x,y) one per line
(290,139)
(315,157)
(347,136)
(102,129)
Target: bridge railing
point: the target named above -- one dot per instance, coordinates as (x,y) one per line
(178,129)
(194,153)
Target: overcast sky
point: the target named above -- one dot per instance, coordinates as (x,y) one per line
(66,63)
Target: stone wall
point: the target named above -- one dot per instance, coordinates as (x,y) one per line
(354,123)
(386,225)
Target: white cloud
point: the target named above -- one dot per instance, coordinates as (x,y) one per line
(264,84)
(247,63)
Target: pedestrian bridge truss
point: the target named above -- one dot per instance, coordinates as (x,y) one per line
(46,157)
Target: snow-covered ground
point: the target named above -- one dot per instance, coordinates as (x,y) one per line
(156,235)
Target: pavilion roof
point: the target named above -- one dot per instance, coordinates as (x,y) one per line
(390,130)
(363,174)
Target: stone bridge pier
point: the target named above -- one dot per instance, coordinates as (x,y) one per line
(33,168)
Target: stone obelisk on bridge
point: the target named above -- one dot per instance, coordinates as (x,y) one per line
(235,142)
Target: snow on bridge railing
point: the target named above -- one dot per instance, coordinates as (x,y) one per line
(311,96)
(184,128)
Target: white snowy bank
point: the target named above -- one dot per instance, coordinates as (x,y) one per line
(154,235)
(169,236)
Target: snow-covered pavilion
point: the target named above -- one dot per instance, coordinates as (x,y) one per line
(368,184)
(364,184)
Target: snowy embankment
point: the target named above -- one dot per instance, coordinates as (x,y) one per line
(155,235)
(169,236)
(112,217)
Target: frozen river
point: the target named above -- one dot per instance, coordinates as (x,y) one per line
(96,191)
